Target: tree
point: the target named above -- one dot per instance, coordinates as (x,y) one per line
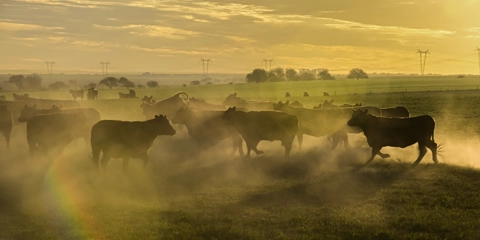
(152,84)
(58,85)
(124,82)
(306,74)
(33,81)
(18,80)
(91,85)
(291,74)
(357,73)
(109,82)
(72,82)
(257,75)
(276,75)
(323,74)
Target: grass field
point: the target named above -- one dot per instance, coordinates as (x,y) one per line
(187,193)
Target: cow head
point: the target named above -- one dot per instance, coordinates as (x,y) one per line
(280,106)
(228,114)
(359,117)
(162,125)
(28,112)
(231,100)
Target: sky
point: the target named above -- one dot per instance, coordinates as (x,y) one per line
(172,36)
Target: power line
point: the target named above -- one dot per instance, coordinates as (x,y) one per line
(49,67)
(205,72)
(478,51)
(422,65)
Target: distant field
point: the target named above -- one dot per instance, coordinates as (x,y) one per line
(189,193)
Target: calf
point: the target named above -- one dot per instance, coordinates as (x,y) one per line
(122,139)
(396,132)
(264,125)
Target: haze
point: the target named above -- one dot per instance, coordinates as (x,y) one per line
(170,36)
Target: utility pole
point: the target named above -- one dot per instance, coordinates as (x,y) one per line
(205,73)
(478,51)
(270,64)
(422,64)
(49,67)
(104,67)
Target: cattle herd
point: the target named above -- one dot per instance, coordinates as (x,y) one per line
(53,124)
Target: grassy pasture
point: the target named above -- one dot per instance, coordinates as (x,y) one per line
(187,193)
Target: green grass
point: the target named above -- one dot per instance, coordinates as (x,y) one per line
(186,193)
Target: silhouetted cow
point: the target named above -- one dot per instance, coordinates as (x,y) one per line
(121,139)
(396,132)
(296,104)
(23,97)
(325,94)
(92,94)
(305,94)
(47,131)
(6,123)
(287,94)
(167,106)
(208,127)
(399,111)
(148,100)
(233,101)
(321,122)
(264,125)
(131,94)
(76,94)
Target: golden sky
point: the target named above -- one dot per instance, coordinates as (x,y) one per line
(170,36)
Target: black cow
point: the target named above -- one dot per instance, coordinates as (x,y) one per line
(208,127)
(92,94)
(76,94)
(122,139)
(305,94)
(287,94)
(233,101)
(322,122)
(264,125)
(23,97)
(47,131)
(91,114)
(396,132)
(167,106)
(399,111)
(6,123)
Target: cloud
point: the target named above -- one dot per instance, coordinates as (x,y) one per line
(151,30)
(14,27)
(391,30)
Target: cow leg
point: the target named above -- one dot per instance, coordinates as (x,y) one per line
(104,162)
(288,147)
(375,151)
(6,134)
(383,155)
(300,140)
(254,147)
(144,158)
(96,156)
(125,164)
(237,143)
(423,151)
(433,147)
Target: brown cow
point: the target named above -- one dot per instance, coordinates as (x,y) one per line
(92,94)
(122,139)
(76,94)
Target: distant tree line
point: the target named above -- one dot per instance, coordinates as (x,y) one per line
(31,82)
(289,74)
(304,74)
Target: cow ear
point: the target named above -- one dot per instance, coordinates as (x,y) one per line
(287,102)
(53,106)
(235,94)
(365,111)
